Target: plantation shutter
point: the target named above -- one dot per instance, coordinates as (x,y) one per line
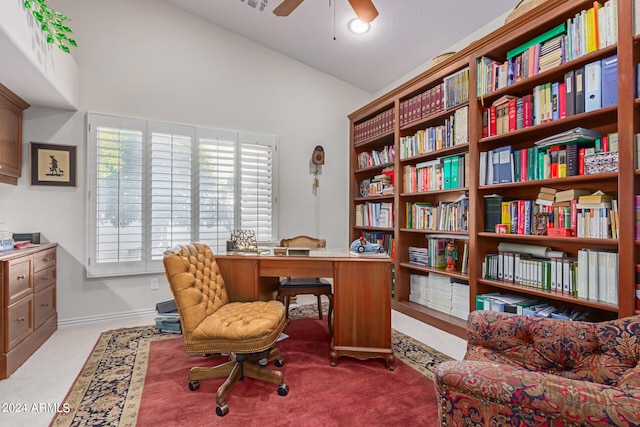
(257,154)
(217,187)
(153,185)
(171,186)
(117,179)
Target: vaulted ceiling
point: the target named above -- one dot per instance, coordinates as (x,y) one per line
(405,35)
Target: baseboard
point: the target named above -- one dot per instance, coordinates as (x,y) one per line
(105,317)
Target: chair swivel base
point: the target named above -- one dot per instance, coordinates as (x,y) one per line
(235,370)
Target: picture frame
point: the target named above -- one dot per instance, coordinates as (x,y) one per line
(52,164)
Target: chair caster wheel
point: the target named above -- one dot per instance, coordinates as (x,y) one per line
(222,409)
(279,362)
(283,389)
(194,385)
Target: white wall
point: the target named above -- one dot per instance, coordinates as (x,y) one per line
(148,59)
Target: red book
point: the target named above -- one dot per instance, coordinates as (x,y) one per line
(527,116)
(523,164)
(581,153)
(493,129)
(520,216)
(562,100)
(485,123)
(605,144)
(573,221)
(512,115)
(553,154)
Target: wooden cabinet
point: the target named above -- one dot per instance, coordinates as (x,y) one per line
(28,313)
(622,119)
(11,107)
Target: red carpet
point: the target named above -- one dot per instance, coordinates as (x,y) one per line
(354,393)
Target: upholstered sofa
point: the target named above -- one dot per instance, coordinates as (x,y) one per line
(526,371)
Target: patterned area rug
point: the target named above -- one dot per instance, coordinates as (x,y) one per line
(109,388)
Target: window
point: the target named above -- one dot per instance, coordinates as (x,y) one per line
(155,184)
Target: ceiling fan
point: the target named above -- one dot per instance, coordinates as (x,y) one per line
(364,9)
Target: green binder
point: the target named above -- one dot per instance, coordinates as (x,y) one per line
(560,29)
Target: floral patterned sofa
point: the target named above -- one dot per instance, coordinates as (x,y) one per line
(525,371)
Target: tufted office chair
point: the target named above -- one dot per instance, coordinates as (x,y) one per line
(292,286)
(247,331)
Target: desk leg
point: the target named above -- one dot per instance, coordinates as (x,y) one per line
(362,311)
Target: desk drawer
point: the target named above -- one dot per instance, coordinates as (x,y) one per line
(19,322)
(44,259)
(44,305)
(296,267)
(44,278)
(18,277)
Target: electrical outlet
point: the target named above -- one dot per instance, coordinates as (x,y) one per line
(154,284)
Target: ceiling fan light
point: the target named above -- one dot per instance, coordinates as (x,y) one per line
(358,27)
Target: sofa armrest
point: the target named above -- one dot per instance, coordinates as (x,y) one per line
(491,393)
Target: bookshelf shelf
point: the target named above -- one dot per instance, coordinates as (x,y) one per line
(417,267)
(550,295)
(622,118)
(551,240)
(438,319)
(435,192)
(590,119)
(373,169)
(569,181)
(456,149)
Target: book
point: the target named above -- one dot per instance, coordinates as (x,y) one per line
(571,194)
(609,81)
(579,91)
(592,86)
(570,96)
(596,197)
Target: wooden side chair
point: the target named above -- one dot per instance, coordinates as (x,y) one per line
(290,287)
(246,331)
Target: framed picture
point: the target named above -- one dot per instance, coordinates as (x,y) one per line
(52,164)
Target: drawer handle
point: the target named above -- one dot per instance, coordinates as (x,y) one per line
(21,319)
(22,276)
(45,278)
(47,259)
(44,305)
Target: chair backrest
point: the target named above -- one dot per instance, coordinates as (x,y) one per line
(303,242)
(196,283)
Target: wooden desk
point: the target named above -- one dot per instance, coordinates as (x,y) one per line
(361,295)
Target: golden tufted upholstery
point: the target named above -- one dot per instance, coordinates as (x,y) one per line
(211,324)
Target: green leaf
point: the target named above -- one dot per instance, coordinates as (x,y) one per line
(72,42)
(37,15)
(62,16)
(64,48)
(27,4)
(50,39)
(66,29)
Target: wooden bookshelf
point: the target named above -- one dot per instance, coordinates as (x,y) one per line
(623,118)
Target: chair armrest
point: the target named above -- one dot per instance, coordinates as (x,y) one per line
(491,393)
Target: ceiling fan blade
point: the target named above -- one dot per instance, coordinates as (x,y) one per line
(364,9)
(286,7)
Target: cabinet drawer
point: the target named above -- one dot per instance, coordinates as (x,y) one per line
(44,278)
(18,279)
(44,305)
(44,259)
(19,322)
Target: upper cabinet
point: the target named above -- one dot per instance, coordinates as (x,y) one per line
(11,107)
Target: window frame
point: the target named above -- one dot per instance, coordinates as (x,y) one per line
(147,265)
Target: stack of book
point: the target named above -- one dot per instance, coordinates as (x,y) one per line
(167,317)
